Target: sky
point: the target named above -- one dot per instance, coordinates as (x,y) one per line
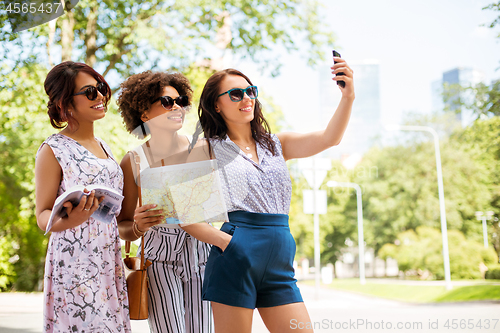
(413,42)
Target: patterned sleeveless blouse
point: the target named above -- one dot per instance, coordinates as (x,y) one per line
(263,187)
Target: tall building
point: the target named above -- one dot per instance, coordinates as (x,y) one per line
(463,76)
(364,127)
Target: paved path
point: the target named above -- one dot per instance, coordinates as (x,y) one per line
(333,311)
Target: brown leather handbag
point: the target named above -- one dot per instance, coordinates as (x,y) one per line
(137,280)
(137,283)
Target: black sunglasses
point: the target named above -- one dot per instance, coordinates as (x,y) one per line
(91,92)
(237,94)
(168,102)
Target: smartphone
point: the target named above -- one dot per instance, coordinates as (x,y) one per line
(340,83)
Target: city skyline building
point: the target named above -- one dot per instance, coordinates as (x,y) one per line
(465,77)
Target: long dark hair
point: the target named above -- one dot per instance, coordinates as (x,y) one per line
(60,86)
(212,123)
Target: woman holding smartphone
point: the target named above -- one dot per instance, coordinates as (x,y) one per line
(84,282)
(256,269)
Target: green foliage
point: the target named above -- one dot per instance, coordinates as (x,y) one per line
(402,194)
(481,99)
(126,36)
(482,141)
(7,274)
(336,226)
(112,130)
(340,222)
(421,251)
(301,224)
(470,293)
(493,272)
(24,127)
(494,6)
(133,249)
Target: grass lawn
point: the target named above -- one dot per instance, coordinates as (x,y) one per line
(478,290)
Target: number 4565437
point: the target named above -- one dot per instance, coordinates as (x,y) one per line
(471,323)
(33,8)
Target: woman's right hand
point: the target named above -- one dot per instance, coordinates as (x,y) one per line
(226,239)
(145,217)
(86,207)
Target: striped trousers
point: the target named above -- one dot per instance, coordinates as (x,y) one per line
(175,304)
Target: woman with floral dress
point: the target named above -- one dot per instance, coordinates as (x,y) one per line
(84,282)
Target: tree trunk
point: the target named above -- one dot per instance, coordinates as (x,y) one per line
(50,40)
(67,35)
(91,35)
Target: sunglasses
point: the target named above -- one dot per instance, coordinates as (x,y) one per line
(91,92)
(237,94)
(168,102)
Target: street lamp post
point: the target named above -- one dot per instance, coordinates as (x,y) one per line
(444,230)
(484,217)
(315,170)
(361,240)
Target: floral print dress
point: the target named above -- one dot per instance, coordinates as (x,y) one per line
(84,282)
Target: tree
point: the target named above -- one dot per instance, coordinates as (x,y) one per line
(482,141)
(494,6)
(404,193)
(119,38)
(127,36)
(482,99)
(23,129)
(336,226)
(419,253)
(340,222)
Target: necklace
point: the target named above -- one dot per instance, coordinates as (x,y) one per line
(246,150)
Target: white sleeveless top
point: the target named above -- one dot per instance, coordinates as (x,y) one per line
(166,242)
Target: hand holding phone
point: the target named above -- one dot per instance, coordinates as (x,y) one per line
(340,83)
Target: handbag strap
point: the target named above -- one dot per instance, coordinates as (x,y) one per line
(137,160)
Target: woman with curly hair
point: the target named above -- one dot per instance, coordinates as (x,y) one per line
(84,283)
(155,104)
(256,269)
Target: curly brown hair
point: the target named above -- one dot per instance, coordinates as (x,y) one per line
(139,90)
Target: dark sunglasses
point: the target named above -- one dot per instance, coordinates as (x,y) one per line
(168,102)
(237,94)
(91,92)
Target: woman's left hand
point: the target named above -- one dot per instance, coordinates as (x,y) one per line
(341,66)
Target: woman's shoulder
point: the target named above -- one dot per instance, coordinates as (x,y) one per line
(136,155)
(276,140)
(56,138)
(275,137)
(200,150)
(57,142)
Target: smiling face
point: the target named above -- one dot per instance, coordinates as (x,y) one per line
(83,109)
(241,112)
(159,118)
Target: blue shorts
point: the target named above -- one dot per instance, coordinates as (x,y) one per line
(256,269)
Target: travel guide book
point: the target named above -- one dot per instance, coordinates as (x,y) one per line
(106,211)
